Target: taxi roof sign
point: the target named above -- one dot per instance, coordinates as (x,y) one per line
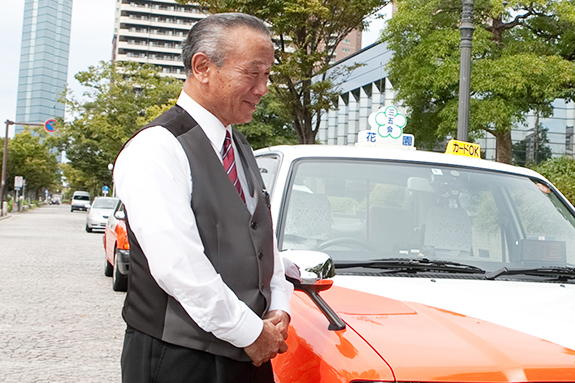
(386,129)
(462,148)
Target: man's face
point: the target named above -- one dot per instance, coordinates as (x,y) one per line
(237,87)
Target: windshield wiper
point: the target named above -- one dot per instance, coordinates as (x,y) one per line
(412,265)
(561,273)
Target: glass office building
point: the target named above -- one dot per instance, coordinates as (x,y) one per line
(43,60)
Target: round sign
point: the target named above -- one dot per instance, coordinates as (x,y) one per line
(50,125)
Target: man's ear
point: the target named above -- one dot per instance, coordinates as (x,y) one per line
(200,67)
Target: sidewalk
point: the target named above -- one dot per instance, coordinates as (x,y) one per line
(24,208)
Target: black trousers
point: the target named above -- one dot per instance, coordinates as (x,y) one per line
(150,360)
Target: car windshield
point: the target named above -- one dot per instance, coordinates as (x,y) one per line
(82,197)
(105,203)
(358,210)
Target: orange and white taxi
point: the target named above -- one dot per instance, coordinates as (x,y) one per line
(421,267)
(117,249)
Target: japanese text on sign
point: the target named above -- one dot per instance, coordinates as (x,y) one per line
(462,148)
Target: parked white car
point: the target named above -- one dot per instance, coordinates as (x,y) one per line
(99,212)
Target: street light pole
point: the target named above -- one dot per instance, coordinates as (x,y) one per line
(466,30)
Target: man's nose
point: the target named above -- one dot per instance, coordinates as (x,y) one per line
(261,88)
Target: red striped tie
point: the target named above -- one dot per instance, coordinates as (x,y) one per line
(230,164)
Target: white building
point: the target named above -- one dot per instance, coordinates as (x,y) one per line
(151,31)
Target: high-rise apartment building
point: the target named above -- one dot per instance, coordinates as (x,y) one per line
(151,31)
(43,60)
(349,45)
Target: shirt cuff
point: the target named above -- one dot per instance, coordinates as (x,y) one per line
(280,299)
(246,332)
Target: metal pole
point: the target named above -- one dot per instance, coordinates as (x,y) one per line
(4,160)
(466,30)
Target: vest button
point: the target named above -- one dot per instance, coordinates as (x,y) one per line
(262,286)
(254,225)
(260,255)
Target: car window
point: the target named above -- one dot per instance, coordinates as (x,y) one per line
(359,210)
(105,203)
(82,197)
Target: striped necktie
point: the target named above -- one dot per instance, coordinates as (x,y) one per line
(229,161)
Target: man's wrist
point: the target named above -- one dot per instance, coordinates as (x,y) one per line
(247,330)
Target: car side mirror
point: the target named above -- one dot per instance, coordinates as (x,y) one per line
(308,271)
(120,215)
(311,265)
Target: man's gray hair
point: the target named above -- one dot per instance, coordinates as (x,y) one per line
(210,35)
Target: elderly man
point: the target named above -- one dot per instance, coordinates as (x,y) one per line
(207,299)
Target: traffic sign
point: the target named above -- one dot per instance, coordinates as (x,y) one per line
(50,125)
(18,181)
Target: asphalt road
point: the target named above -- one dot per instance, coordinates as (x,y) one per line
(60,321)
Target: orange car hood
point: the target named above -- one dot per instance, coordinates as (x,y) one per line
(422,343)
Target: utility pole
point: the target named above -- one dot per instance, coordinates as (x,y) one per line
(5,159)
(466,30)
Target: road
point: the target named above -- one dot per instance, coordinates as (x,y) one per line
(60,321)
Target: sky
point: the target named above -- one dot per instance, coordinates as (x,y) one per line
(90,43)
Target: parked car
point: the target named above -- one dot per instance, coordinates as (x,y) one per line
(117,249)
(99,212)
(421,267)
(80,201)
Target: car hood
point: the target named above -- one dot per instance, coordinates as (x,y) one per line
(105,212)
(544,310)
(424,343)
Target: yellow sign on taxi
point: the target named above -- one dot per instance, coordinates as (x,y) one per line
(462,148)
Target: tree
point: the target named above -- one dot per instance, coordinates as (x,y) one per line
(271,125)
(515,69)
(29,156)
(561,172)
(306,35)
(118,96)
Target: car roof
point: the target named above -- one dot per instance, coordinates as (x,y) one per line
(294,152)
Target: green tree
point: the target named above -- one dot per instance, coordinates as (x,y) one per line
(118,95)
(271,125)
(515,69)
(29,156)
(306,34)
(561,172)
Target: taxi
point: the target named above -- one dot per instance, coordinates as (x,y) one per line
(421,267)
(117,249)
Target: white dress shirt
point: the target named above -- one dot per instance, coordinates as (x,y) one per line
(153,179)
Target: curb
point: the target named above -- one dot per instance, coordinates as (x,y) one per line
(5,217)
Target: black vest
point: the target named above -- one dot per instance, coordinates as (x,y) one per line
(239,245)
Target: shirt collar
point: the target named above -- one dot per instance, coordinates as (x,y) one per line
(210,124)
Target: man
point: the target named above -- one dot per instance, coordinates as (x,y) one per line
(207,299)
